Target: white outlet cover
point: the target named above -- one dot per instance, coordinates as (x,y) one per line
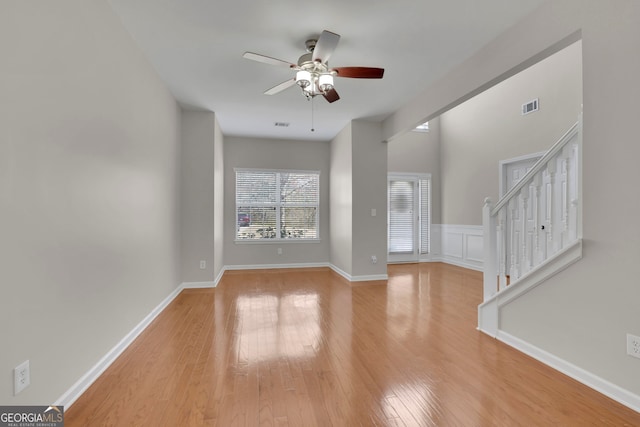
(21,377)
(633,346)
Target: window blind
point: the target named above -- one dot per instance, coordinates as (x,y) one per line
(401,221)
(425,212)
(277,204)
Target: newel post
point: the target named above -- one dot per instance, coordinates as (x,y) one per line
(490,261)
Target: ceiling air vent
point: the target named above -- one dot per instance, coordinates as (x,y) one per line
(281,124)
(530,107)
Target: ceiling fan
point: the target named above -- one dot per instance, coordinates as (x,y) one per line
(313,74)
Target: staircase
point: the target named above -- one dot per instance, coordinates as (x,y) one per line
(535,230)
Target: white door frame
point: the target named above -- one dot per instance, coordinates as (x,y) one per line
(503,164)
(415,178)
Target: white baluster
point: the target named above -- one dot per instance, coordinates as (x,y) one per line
(568,165)
(513,271)
(574,219)
(537,182)
(524,195)
(502,252)
(551,197)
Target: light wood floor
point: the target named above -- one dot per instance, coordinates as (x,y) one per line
(306,348)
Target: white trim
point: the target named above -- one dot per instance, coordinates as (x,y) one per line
(459,245)
(541,273)
(275,240)
(351,278)
(274,266)
(369,278)
(276,170)
(407,175)
(309,265)
(489,310)
(416,256)
(455,262)
(219,276)
(76,390)
(197,285)
(504,163)
(617,393)
(340,272)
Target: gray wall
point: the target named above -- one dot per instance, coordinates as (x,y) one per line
(341,233)
(259,153)
(197,195)
(218,201)
(88,191)
(369,179)
(419,152)
(488,128)
(358,185)
(583,314)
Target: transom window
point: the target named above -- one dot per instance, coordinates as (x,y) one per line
(277,204)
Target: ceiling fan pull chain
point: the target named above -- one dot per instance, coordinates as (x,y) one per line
(312,128)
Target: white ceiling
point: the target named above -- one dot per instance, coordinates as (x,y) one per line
(196,46)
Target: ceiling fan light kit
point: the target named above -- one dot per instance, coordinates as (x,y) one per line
(313,74)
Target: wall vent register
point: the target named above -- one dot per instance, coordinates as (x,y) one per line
(530,107)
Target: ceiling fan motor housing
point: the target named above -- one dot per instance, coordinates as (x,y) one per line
(310,45)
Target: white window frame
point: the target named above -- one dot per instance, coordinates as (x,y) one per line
(420,252)
(278,205)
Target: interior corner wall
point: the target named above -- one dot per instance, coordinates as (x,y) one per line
(479,133)
(341,203)
(369,180)
(218,202)
(89,175)
(197,193)
(262,153)
(419,153)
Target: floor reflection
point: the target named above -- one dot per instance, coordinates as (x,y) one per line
(270,326)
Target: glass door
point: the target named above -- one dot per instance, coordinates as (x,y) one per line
(408,228)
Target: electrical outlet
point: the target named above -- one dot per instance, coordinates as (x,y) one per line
(633,346)
(21,377)
(203,265)
(374,259)
(279,251)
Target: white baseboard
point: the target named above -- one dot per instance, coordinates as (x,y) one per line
(310,265)
(76,390)
(274,266)
(219,276)
(197,285)
(456,262)
(625,397)
(358,278)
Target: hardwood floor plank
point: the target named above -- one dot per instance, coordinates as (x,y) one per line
(306,348)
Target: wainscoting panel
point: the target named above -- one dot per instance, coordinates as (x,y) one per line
(460,245)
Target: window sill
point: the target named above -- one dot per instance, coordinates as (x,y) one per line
(274,241)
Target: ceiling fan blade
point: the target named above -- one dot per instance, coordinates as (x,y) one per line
(359,72)
(268,60)
(331,95)
(279,88)
(325,46)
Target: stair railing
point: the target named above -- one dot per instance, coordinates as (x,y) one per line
(537,218)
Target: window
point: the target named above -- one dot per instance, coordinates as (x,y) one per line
(277,205)
(424,127)
(409,222)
